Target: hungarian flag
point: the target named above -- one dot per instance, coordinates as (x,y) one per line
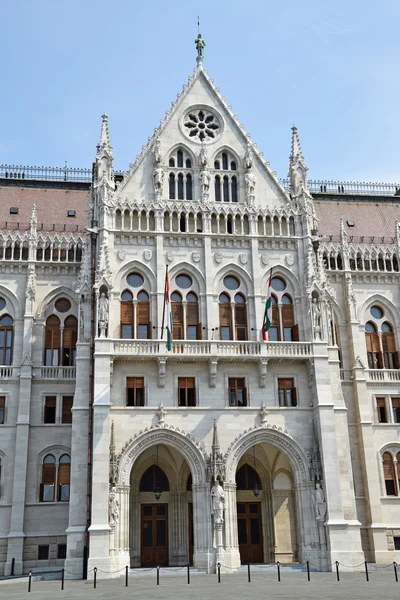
(167,311)
(268,310)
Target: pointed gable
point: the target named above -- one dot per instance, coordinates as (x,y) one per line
(200,117)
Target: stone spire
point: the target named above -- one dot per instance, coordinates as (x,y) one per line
(33,222)
(215,442)
(104,142)
(104,153)
(296,148)
(216,461)
(113,457)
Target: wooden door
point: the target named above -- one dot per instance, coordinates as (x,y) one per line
(154,535)
(191,536)
(250,532)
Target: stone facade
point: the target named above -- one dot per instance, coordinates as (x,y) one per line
(201,200)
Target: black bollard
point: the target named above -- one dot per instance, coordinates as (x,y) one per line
(219,572)
(337,571)
(366,571)
(126,576)
(158,575)
(308,571)
(12,567)
(62,578)
(188,573)
(248,573)
(278,564)
(29,581)
(395,571)
(95,577)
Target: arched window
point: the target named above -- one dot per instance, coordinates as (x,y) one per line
(180,186)
(177,316)
(283,327)
(143,316)
(389,475)
(193,327)
(48,482)
(275,329)
(246,478)
(52,341)
(227,185)
(64,475)
(154,478)
(189,194)
(6,340)
(179,155)
(225,317)
(240,318)
(126,310)
(70,337)
(374,354)
(390,354)
(171,186)
(288,319)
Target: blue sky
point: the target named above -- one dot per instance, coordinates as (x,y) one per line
(330,68)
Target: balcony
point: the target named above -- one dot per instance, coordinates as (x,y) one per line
(198,350)
(8,372)
(382,375)
(54,373)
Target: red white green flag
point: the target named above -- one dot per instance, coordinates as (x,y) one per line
(268,310)
(168,312)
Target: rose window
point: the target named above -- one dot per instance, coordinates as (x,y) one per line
(201,125)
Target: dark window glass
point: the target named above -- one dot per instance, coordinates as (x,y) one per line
(226,189)
(242,531)
(396,543)
(254,530)
(189,195)
(62,551)
(135,279)
(224,161)
(234,189)
(376,312)
(147,533)
(218,189)
(43,553)
(180,186)
(171,186)
(179,155)
(161,532)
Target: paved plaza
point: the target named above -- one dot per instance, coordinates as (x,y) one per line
(352,586)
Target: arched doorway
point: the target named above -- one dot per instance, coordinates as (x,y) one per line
(266,516)
(161,509)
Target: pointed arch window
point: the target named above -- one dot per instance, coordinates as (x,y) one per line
(177,316)
(374,354)
(171,186)
(189,187)
(240,318)
(52,341)
(179,155)
(70,337)
(234,194)
(390,354)
(225,317)
(193,327)
(180,181)
(218,188)
(226,189)
(246,477)
(53,475)
(389,474)
(64,475)
(6,339)
(48,483)
(154,478)
(283,326)
(143,316)
(126,310)
(275,329)
(227,185)
(180,186)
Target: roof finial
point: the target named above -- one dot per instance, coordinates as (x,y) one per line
(104,137)
(200,44)
(296,148)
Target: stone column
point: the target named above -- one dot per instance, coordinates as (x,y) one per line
(121,544)
(268,526)
(99,555)
(232,556)
(134,529)
(77,522)
(203,552)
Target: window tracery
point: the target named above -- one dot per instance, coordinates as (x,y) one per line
(180,180)
(226,182)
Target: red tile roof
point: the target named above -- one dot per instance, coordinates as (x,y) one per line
(52,205)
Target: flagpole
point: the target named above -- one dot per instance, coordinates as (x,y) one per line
(165,295)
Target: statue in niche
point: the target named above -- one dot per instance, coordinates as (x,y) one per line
(157,151)
(316,314)
(319,502)
(205,179)
(248,157)
(81,323)
(217,502)
(161,413)
(203,156)
(103,308)
(113,507)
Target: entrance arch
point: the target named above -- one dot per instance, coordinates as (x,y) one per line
(287,489)
(177,515)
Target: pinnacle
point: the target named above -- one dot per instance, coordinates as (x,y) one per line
(296,147)
(104,136)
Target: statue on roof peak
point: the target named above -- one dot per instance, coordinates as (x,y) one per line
(200,45)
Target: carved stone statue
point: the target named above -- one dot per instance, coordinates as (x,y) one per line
(161,414)
(217,502)
(316,314)
(205,179)
(200,45)
(158,175)
(157,151)
(203,156)
(319,502)
(81,323)
(103,308)
(248,157)
(250,184)
(263,414)
(113,508)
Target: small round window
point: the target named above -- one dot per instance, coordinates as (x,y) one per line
(278,284)
(2,303)
(231,283)
(135,279)
(376,312)
(183,281)
(62,305)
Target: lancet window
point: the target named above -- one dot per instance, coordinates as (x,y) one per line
(180,178)
(135,310)
(232,311)
(380,341)
(226,181)
(185,310)
(283,327)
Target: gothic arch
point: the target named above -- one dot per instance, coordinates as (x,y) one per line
(131,266)
(280,269)
(385,302)
(186,148)
(233,269)
(271,435)
(169,436)
(62,290)
(191,270)
(15,310)
(229,150)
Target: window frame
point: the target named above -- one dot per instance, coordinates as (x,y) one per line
(3,409)
(287,377)
(235,387)
(184,379)
(57,453)
(5,347)
(58,408)
(143,388)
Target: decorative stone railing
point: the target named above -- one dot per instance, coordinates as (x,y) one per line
(56,373)
(7,372)
(296,350)
(382,374)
